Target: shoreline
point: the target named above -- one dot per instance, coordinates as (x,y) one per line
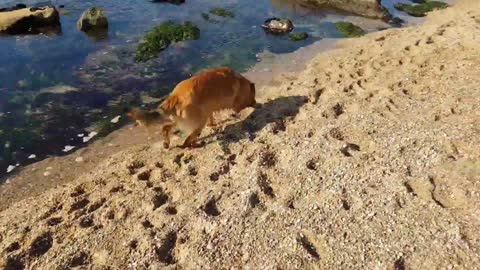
(37,178)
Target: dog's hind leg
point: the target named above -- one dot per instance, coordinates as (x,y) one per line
(191,139)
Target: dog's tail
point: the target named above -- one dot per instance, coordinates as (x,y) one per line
(144,117)
(169,104)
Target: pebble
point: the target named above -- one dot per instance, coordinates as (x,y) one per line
(32,156)
(79,159)
(115,119)
(68,148)
(90,136)
(11,168)
(46,173)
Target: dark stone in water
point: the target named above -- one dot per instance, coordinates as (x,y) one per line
(422,9)
(396,22)
(175,2)
(278,26)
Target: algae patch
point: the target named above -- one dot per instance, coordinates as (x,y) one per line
(349,30)
(298,36)
(421,9)
(222,12)
(161,36)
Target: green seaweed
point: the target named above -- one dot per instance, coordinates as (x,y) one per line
(349,29)
(160,37)
(222,12)
(421,10)
(298,36)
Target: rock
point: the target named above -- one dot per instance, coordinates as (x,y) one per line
(278,26)
(59,89)
(222,12)
(366,8)
(349,30)
(175,2)
(30,21)
(92,19)
(421,9)
(396,22)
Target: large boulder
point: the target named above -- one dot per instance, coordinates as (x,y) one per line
(92,19)
(29,20)
(366,8)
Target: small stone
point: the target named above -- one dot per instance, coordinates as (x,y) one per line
(68,148)
(11,168)
(79,159)
(92,18)
(115,119)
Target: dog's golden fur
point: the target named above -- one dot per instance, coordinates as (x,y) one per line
(193,101)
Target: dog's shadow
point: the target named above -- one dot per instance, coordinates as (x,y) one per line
(273,111)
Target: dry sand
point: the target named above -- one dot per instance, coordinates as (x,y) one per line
(367,159)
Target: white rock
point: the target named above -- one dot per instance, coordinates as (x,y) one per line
(46,173)
(115,119)
(11,168)
(90,136)
(79,159)
(32,156)
(68,148)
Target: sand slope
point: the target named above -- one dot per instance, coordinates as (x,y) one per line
(369,159)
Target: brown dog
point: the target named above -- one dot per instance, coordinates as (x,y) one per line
(193,101)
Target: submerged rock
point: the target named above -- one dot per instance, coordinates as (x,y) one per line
(92,19)
(422,8)
(29,20)
(366,8)
(175,2)
(396,22)
(349,29)
(222,12)
(160,37)
(298,36)
(278,26)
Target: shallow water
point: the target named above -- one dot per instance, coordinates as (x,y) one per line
(103,78)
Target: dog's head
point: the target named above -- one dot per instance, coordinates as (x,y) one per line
(246,97)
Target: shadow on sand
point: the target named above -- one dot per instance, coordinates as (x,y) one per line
(274,111)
